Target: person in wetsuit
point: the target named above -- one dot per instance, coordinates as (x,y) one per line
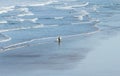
(59,40)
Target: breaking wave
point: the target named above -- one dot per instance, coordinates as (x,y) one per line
(45,20)
(6,9)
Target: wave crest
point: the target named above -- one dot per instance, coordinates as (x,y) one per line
(6,9)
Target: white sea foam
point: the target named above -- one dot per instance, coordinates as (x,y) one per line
(73,6)
(26,28)
(23,9)
(31,20)
(81,15)
(81,5)
(3,22)
(42,3)
(93,21)
(87,22)
(39,26)
(58,17)
(23,44)
(95,8)
(6,38)
(22,28)
(6,9)
(20,19)
(25,12)
(64,7)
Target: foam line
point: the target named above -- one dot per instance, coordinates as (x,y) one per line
(3,22)
(27,43)
(42,3)
(26,28)
(73,6)
(7,38)
(6,9)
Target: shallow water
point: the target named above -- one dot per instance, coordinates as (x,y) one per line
(43,19)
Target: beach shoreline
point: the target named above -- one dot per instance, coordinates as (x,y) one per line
(59,38)
(76,53)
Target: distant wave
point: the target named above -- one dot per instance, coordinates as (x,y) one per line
(81,15)
(19,20)
(42,3)
(6,9)
(92,21)
(72,6)
(25,12)
(81,5)
(95,8)
(21,12)
(29,27)
(3,22)
(58,18)
(4,38)
(21,28)
(31,20)
(64,7)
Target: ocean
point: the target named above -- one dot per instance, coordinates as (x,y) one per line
(29,23)
(23,22)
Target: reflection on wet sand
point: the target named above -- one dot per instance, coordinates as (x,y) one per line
(51,57)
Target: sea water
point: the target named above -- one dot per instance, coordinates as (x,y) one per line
(25,21)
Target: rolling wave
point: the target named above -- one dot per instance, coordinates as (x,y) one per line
(40,16)
(58,17)
(4,38)
(6,9)
(26,28)
(31,20)
(34,42)
(3,22)
(72,6)
(82,14)
(25,12)
(41,3)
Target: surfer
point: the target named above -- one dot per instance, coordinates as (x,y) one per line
(59,40)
